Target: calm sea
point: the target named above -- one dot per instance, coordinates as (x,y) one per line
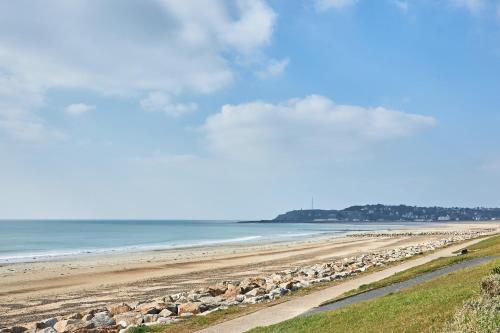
(28,240)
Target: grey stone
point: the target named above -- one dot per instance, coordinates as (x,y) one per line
(103,319)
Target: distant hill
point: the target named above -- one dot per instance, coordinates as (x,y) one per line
(380,212)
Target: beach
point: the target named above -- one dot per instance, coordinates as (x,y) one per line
(42,289)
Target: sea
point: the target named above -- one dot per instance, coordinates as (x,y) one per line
(40,240)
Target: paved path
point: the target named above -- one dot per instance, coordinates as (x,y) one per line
(297,306)
(395,287)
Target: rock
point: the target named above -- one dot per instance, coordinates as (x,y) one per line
(33,327)
(123,323)
(164,320)
(252,300)
(186,314)
(190,307)
(150,308)
(166,313)
(279,291)
(129,318)
(18,329)
(171,307)
(256,292)
(216,290)
(49,322)
(75,316)
(70,325)
(150,318)
(209,311)
(232,291)
(287,285)
(87,317)
(194,297)
(60,326)
(47,330)
(211,301)
(119,308)
(250,283)
(103,319)
(239,298)
(182,299)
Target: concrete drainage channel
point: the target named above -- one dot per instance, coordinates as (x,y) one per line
(371,294)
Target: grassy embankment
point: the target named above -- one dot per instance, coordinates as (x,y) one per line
(199,322)
(423,308)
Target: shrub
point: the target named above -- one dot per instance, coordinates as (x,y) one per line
(496,270)
(480,315)
(490,286)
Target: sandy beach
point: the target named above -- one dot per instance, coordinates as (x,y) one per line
(31,291)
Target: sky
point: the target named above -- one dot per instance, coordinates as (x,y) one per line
(245,109)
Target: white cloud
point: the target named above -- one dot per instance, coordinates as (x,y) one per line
(491,165)
(311,127)
(274,68)
(78,109)
(167,160)
(124,47)
(17,97)
(323,5)
(401,5)
(158,101)
(474,6)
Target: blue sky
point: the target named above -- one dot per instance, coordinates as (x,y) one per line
(245,109)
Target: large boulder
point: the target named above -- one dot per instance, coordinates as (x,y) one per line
(256,292)
(250,283)
(166,313)
(150,308)
(232,291)
(216,290)
(130,318)
(119,308)
(49,322)
(17,329)
(287,284)
(209,300)
(103,319)
(70,325)
(172,307)
(150,318)
(191,307)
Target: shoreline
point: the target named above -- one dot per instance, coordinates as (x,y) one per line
(152,248)
(77,254)
(42,289)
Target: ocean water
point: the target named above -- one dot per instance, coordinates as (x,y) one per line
(35,240)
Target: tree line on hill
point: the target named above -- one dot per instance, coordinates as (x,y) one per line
(381,212)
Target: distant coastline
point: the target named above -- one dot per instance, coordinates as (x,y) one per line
(386,213)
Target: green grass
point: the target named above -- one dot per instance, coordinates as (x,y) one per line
(422,308)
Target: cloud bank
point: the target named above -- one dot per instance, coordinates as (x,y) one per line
(121,47)
(305,127)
